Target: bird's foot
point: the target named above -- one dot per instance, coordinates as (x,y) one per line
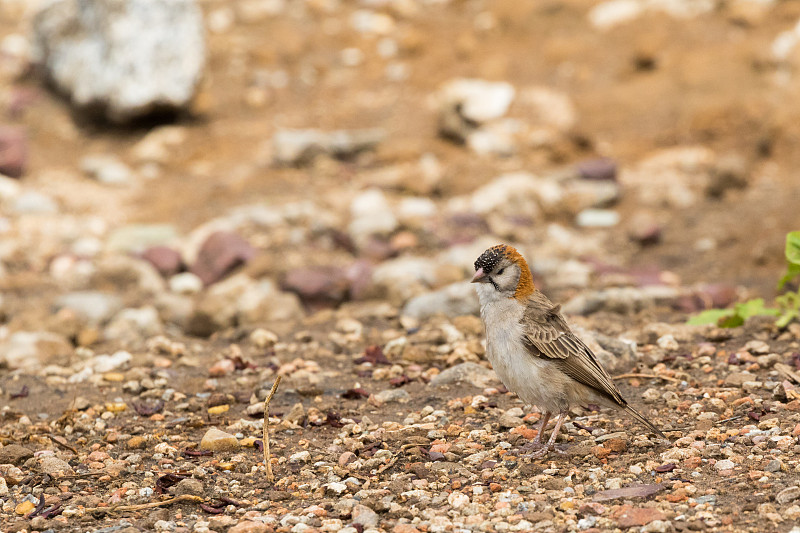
(538,449)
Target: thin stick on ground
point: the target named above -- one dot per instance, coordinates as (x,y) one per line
(652,376)
(139,507)
(267,462)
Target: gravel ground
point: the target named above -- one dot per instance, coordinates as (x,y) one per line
(313,212)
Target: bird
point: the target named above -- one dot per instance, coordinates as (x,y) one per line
(533,350)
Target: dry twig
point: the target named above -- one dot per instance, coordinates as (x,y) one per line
(139,507)
(652,376)
(267,463)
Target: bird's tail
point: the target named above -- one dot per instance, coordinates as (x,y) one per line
(645,422)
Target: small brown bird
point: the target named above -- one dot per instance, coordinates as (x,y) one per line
(532,349)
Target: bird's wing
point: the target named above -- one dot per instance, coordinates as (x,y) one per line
(548,336)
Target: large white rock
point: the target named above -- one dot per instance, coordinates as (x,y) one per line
(125,57)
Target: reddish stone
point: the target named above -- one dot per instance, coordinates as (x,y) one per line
(318,285)
(13,151)
(600,169)
(166,260)
(628,516)
(221,253)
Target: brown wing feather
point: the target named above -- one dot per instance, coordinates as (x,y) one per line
(548,335)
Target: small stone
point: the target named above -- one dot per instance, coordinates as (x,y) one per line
(365,516)
(14,454)
(218,409)
(263,338)
(336,488)
(773,466)
(318,285)
(757,347)
(166,260)
(54,466)
(185,283)
(221,253)
(472,373)
(190,486)
(597,218)
(96,307)
(788,495)
(248,526)
(137,442)
(603,168)
(347,458)
(725,464)
(631,516)
(300,457)
(216,440)
(391,396)
(24,508)
(222,368)
(296,414)
(107,169)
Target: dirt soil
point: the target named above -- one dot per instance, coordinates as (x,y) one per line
(362,438)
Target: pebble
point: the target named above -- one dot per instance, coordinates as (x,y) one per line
(54,466)
(457,299)
(189,486)
(472,373)
(725,464)
(216,440)
(391,396)
(107,169)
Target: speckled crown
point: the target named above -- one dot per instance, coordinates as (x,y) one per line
(489,259)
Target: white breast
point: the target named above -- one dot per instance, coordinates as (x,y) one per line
(534,380)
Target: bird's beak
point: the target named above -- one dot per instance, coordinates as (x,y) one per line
(479,277)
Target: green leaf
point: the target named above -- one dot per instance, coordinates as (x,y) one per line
(792,270)
(710,316)
(793,247)
(733,321)
(786,318)
(755,307)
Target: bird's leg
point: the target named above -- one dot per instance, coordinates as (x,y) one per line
(551,442)
(536,443)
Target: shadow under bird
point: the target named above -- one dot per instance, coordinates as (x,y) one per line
(533,350)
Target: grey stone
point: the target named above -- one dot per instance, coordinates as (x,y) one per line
(392,396)
(621,299)
(96,307)
(189,486)
(126,57)
(457,299)
(52,465)
(472,373)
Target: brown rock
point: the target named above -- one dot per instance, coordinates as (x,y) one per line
(14,454)
(221,253)
(166,260)
(616,445)
(13,151)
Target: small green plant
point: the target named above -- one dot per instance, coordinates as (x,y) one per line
(788,304)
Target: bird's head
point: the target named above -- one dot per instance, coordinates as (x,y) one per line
(504,272)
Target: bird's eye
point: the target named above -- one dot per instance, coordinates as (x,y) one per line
(500,272)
